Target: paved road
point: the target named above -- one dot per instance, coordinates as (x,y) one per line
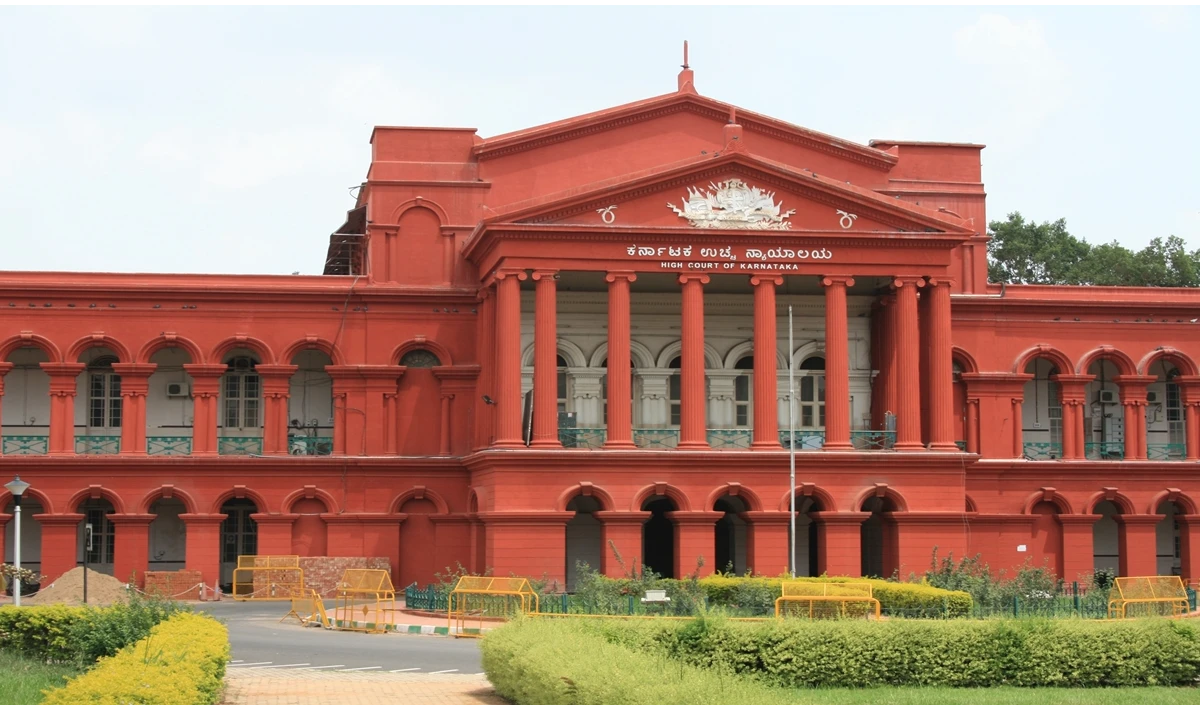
(260,641)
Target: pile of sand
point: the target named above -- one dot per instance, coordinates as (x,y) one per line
(68,590)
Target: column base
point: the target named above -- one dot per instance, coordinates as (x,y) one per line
(839,447)
(546,444)
(693,445)
(908,447)
(619,445)
(508,445)
(765,445)
(945,447)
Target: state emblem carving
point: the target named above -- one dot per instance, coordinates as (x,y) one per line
(732,205)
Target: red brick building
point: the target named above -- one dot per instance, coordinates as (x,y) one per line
(443,393)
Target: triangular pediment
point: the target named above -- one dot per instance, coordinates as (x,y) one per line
(732,192)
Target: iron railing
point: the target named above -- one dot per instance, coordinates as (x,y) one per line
(310,445)
(1104,450)
(962,445)
(873,440)
(1166,451)
(26,445)
(730,438)
(590,438)
(1043,451)
(429,599)
(168,445)
(807,439)
(239,445)
(656,438)
(97,445)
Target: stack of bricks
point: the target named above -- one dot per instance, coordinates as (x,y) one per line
(321,573)
(177,585)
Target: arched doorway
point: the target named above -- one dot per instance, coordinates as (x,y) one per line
(1104,427)
(26,412)
(240,420)
(1106,538)
(169,406)
(104,536)
(416,543)
(807,560)
(167,535)
(239,536)
(1047,536)
(309,531)
(1166,431)
(584,541)
(878,538)
(730,539)
(1167,540)
(100,413)
(418,403)
(1041,412)
(310,405)
(658,537)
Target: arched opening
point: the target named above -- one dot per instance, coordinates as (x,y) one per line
(807,560)
(743,392)
(658,537)
(1104,426)
(241,418)
(102,550)
(879,545)
(310,405)
(100,413)
(31,539)
(1047,536)
(167,536)
(239,537)
(309,531)
(25,426)
(417,543)
(170,418)
(584,542)
(1106,538)
(1041,412)
(960,406)
(811,406)
(1167,540)
(730,539)
(418,405)
(1166,430)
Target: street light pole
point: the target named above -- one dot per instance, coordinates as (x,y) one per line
(17,487)
(792,445)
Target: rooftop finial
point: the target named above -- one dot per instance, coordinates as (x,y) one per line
(686,84)
(685,61)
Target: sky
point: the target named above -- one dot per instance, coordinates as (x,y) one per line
(229,140)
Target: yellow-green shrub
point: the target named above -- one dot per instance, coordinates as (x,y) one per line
(182,662)
(42,632)
(724,590)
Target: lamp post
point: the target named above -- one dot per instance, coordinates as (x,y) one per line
(17,487)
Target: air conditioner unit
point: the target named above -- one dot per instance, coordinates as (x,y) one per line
(1107,396)
(178,389)
(1152,397)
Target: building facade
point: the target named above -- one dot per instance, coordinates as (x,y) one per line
(571,344)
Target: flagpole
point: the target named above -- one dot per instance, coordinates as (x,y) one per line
(792,443)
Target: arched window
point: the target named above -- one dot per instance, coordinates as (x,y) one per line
(243,394)
(743,415)
(419,358)
(812,393)
(104,394)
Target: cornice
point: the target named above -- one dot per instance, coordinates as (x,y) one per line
(712,462)
(429,182)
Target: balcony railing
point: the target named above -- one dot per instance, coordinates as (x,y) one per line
(656,438)
(581,437)
(873,440)
(26,445)
(239,445)
(1043,451)
(1105,450)
(1166,451)
(97,445)
(168,445)
(310,445)
(803,439)
(730,438)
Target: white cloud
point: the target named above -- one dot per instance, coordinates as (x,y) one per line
(1166,19)
(169,149)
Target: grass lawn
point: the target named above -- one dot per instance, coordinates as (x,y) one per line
(1000,696)
(22,681)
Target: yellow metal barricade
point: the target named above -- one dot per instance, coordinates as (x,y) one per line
(1154,595)
(268,578)
(479,598)
(308,608)
(366,601)
(817,600)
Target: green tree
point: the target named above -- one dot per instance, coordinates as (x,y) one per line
(1025,252)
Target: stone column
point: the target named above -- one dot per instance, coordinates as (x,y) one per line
(1137,538)
(972,425)
(941,368)
(206,390)
(60,543)
(63,385)
(837,364)
(545,354)
(508,358)
(274,533)
(839,542)
(619,432)
(766,347)
(203,546)
(695,539)
(1018,449)
(276,389)
(1133,398)
(1072,394)
(692,431)
(135,383)
(908,363)
(767,542)
(132,551)
(444,438)
(1077,555)
(621,536)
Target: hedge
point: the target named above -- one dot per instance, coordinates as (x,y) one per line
(959,653)
(556,661)
(59,634)
(726,590)
(181,662)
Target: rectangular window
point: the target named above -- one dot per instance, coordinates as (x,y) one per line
(674,392)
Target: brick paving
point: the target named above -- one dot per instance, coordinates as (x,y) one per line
(301,687)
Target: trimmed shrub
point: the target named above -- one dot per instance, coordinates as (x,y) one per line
(960,653)
(732,591)
(181,662)
(549,661)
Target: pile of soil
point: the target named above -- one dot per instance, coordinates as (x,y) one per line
(68,590)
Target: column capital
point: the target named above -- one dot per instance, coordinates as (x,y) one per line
(1078,519)
(199,519)
(508,272)
(205,371)
(900,281)
(942,281)
(132,519)
(540,274)
(5,368)
(766,278)
(58,519)
(830,280)
(685,278)
(275,371)
(620,275)
(696,518)
(63,369)
(134,369)
(617,517)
